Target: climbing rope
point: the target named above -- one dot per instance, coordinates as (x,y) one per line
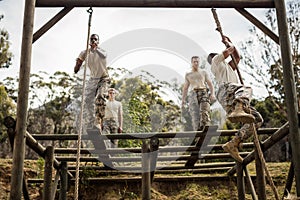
(219,28)
(90,11)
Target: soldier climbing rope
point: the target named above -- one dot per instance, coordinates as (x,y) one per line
(90,11)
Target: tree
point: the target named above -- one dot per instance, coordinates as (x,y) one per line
(8,108)
(261,56)
(5,54)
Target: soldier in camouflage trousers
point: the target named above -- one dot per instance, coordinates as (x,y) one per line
(199,100)
(97,85)
(234,97)
(113,117)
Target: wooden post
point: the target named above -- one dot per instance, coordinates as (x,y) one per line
(289,181)
(240,181)
(260,177)
(154,145)
(250,184)
(146,176)
(63,181)
(54,186)
(49,156)
(289,88)
(22,103)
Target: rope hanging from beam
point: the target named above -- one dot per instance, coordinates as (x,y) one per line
(90,11)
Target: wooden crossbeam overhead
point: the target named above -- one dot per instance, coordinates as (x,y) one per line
(159,3)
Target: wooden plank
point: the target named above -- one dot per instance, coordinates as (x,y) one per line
(258,24)
(99,146)
(207,132)
(50,23)
(159,3)
(163,149)
(186,134)
(104,158)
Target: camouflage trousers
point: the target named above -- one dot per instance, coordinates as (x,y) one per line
(199,108)
(94,101)
(230,93)
(110,126)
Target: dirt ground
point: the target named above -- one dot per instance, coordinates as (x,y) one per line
(175,190)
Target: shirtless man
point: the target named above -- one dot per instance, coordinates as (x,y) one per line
(199,99)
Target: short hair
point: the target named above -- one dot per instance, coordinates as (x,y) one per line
(210,57)
(194,57)
(94,34)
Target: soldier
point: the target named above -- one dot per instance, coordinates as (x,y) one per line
(97,84)
(199,99)
(113,118)
(233,96)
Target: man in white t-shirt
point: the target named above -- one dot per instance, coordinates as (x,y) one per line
(97,85)
(233,97)
(113,117)
(199,99)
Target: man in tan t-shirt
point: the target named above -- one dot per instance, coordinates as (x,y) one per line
(199,100)
(113,119)
(233,96)
(97,85)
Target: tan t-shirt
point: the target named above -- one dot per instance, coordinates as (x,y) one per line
(222,70)
(96,62)
(113,109)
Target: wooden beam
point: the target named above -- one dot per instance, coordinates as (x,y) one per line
(289,88)
(258,24)
(186,134)
(24,76)
(159,3)
(51,23)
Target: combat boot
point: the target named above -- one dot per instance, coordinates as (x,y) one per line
(239,114)
(231,147)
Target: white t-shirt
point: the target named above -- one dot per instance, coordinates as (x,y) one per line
(96,62)
(113,109)
(222,71)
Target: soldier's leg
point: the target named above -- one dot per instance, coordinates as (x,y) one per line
(88,113)
(204,110)
(100,101)
(194,110)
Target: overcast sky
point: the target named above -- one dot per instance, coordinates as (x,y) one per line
(133,37)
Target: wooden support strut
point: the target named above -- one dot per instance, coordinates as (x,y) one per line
(263,162)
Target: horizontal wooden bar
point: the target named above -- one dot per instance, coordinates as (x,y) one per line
(187,134)
(138,159)
(159,3)
(138,150)
(158,168)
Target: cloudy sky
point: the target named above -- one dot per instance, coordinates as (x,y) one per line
(133,37)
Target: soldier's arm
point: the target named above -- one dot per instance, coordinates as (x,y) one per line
(78,65)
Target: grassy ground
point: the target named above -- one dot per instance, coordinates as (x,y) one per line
(174,190)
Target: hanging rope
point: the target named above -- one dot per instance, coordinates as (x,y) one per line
(219,28)
(90,11)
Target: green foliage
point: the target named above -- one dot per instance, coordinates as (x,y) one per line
(5,54)
(8,108)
